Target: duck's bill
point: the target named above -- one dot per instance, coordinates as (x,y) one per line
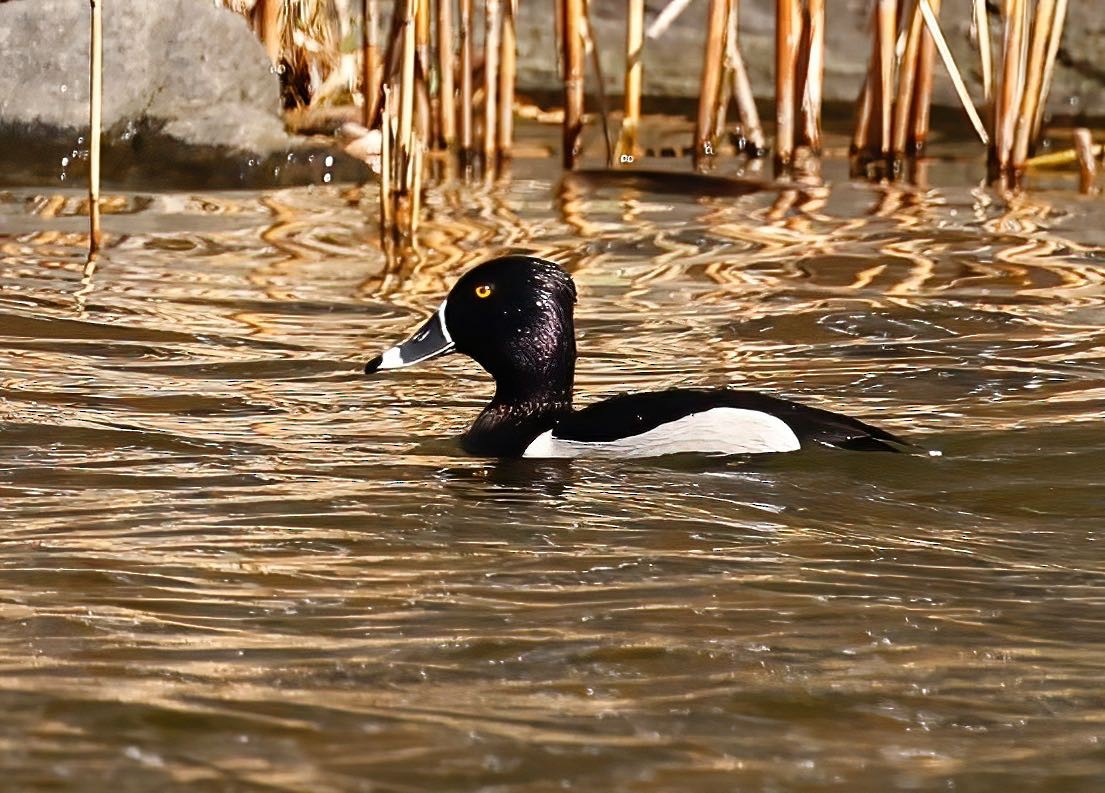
(431,340)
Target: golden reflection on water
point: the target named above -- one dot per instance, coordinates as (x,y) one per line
(232,562)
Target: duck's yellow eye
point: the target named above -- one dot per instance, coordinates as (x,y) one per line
(483,290)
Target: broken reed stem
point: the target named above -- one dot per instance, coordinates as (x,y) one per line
(788,23)
(666,17)
(922,96)
(573,79)
(1083,145)
(447,121)
(634,71)
(886,17)
(953,71)
(907,75)
(370,59)
(742,87)
(711,81)
(1012,83)
(466,109)
(1057,159)
(508,59)
(95,112)
(814,78)
(1057,25)
(1034,75)
(491,39)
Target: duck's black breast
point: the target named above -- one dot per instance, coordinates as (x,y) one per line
(622,417)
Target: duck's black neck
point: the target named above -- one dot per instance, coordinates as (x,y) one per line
(524,406)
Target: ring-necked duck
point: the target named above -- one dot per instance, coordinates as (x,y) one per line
(513,315)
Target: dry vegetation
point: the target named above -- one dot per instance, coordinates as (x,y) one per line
(432,81)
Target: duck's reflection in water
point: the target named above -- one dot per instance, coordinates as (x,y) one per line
(505,478)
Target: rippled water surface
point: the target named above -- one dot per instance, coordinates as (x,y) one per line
(231,562)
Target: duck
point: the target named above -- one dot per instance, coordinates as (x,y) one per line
(514,316)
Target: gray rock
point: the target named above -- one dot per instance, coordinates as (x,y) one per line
(190,98)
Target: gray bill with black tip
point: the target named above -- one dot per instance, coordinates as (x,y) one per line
(431,340)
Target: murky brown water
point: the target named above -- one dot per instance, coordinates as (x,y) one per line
(230,562)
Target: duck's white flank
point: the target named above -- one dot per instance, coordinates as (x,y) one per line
(714,431)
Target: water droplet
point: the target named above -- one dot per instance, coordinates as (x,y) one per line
(329,161)
(326,178)
(64,161)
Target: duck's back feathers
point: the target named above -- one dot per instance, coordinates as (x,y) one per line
(718,421)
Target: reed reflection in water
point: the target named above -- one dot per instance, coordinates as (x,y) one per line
(231,562)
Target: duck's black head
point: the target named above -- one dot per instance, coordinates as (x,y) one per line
(513,316)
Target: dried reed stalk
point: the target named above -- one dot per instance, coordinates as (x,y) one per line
(416,188)
(788,26)
(406,83)
(886,17)
(634,71)
(387,166)
(742,87)
(986,58)
(1034,75)
(865,108)
(507,69)
(815,72)
(1012,83)
(424,106)
(726,90)
(711,81)
(491,41)
(922,96)
(1058,23)
(1083,144)
(466,109)
(721,109)
(573,16)
(95,121)
(425,117)
(422,33)
(591,46)
(907,76)
(267,16)
(370,59)
(447,122)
